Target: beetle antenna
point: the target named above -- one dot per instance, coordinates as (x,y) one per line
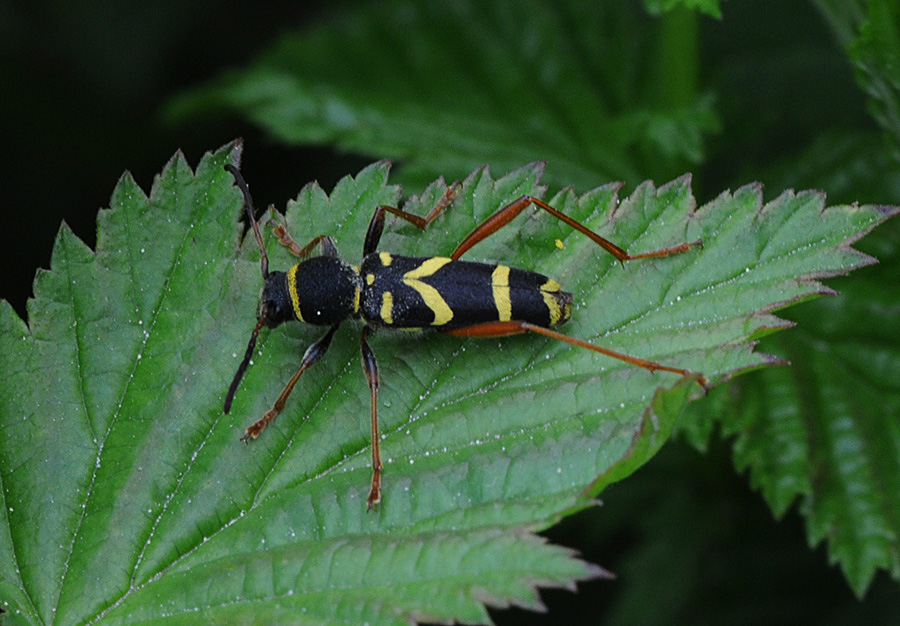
(264,267)
(251,346)
(251,214)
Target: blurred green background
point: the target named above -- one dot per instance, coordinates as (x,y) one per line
(84,89)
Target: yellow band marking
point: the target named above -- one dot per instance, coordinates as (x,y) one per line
(387,307)
(551,286)
(549,291)
(370,278)
(292,289)
(500,287)
(430,295)
(385,258)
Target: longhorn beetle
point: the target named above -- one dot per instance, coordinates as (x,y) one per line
(398,292)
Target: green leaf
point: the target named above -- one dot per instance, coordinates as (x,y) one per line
(876,54)
(710,7)
(598,90)
(128,497)
(783,421)
(825,430)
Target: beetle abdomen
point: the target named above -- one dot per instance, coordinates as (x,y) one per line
(438,292)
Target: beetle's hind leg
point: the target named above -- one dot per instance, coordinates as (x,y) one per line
(514,327)
(506,214)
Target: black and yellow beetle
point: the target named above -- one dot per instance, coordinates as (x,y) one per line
(399,292)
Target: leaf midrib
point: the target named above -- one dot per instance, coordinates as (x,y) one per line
(175,264)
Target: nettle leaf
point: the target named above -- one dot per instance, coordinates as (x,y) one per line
(875,53)
(709,7)
(127,496)
(447,87)
(825,430)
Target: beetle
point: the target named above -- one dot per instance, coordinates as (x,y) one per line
(391,291)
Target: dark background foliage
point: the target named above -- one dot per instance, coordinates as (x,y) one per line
(84,86)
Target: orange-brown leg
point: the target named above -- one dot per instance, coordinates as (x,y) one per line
(500,329)
(507,213)
(310,357)
(285,239)
(370,367)
(376,224)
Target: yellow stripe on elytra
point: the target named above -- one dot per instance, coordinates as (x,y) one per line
(385,258)
(430,295)
(292,288)
(500,287)
(387,307)
(549,291)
